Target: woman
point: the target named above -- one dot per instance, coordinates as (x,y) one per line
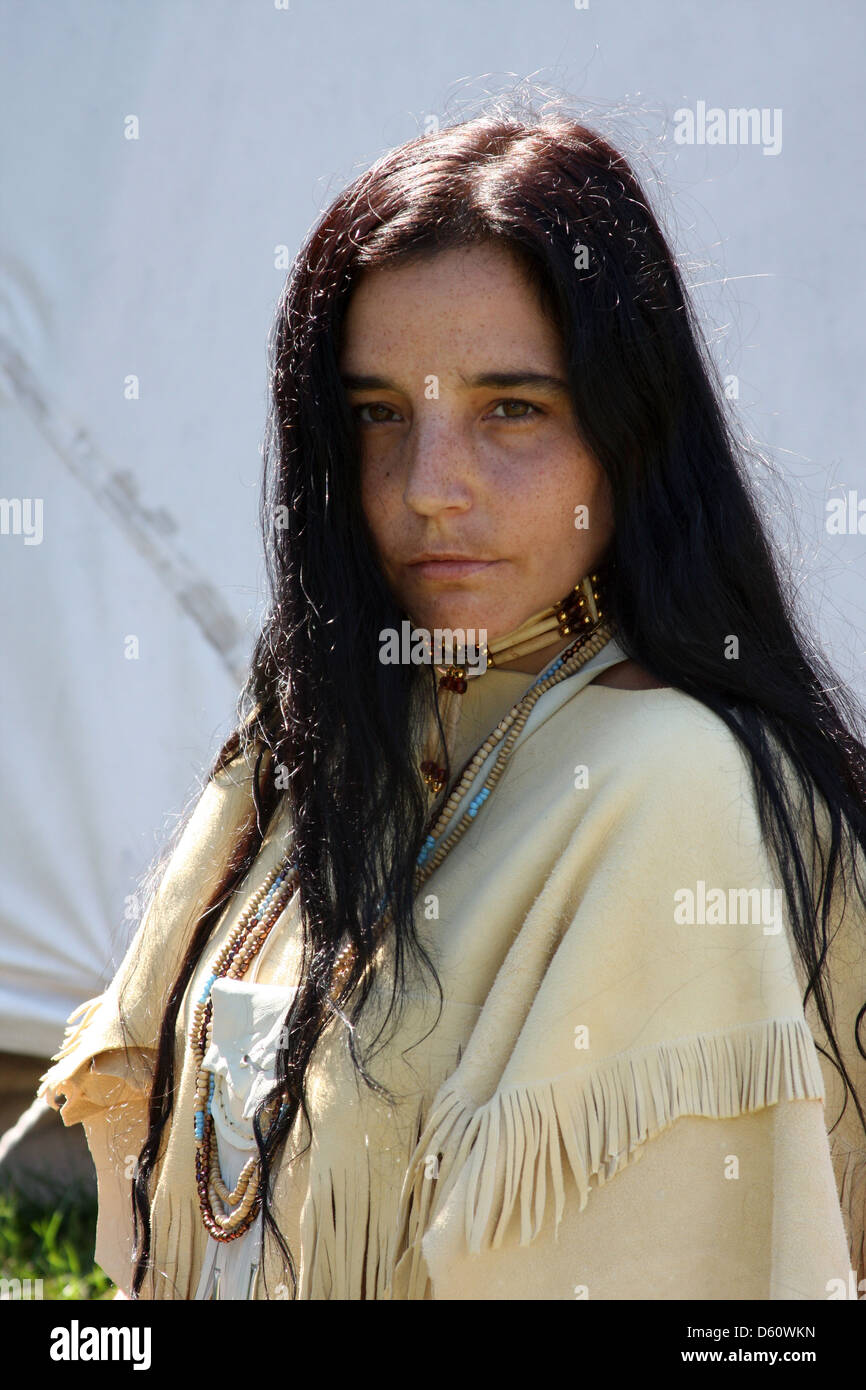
(448,945)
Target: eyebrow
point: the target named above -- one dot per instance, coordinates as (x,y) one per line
(496,381)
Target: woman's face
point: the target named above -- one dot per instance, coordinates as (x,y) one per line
(462,454)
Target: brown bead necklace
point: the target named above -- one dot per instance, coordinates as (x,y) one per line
(270,900)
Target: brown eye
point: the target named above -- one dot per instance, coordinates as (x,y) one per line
(373,405)
(522,405)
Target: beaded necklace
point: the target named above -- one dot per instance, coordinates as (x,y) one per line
(271,898)
(576,612)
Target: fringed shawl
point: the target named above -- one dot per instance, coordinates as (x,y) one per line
(584,1017)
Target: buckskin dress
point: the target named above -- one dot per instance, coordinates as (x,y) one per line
(621,1098)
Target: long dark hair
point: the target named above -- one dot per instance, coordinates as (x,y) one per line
(691,566)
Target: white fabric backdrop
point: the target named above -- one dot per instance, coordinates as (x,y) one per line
(156,257)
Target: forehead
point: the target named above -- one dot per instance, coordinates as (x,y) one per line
(464,297)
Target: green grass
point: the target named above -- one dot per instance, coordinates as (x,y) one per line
(50,1237)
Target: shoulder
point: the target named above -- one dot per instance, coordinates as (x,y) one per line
(221,804)
(665,893)
(657,740)
(192,873)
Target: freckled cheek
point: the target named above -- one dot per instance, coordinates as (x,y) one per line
(573,479)
(382,505)
(544,489)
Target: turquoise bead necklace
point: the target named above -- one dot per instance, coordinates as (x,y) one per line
(270,900)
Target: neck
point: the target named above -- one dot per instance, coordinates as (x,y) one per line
(539,639)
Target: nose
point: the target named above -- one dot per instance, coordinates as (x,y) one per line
(439,476)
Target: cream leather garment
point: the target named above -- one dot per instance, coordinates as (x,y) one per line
(617,1099)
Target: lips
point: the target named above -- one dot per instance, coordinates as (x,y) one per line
(430,555)
(449,566)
